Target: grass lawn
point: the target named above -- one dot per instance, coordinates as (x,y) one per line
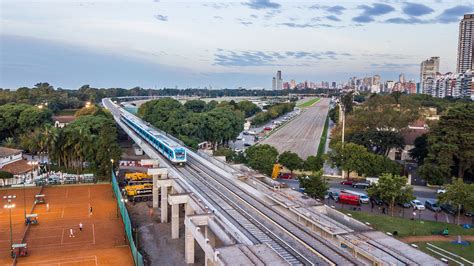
(466,252)
(322,141)
(406,227)
(309,103)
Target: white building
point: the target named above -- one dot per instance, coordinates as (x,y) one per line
(11,161)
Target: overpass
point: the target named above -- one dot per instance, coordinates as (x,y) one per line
(237,218)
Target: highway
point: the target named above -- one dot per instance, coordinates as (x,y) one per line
(256,219)
(302,134)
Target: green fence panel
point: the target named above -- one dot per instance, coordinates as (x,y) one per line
(137,257)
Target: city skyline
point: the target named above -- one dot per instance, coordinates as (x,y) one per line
(225,44)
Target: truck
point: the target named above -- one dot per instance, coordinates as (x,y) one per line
(137,176)
(138,193)
(347,198)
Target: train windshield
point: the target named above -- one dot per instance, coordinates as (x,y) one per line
(179,154)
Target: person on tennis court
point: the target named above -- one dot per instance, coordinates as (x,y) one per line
(47,207)
(71,233)
(80,226)
(90,210)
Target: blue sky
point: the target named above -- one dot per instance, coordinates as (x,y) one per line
(156,43)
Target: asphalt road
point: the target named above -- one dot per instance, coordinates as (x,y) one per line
(302,135)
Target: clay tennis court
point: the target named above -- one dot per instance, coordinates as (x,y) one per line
(101,241)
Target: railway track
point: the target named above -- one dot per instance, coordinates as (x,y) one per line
(242,219)
(318,250)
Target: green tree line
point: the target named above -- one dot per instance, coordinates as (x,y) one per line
(196,121)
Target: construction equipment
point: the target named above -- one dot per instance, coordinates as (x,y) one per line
(40,198)
(276,170)
(19,250)
(138,193)
(137,176)
(32,219)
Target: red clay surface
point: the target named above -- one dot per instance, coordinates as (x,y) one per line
(102,241)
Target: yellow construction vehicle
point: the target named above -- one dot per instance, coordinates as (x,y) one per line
(276,170)
(137,176)
(137,193)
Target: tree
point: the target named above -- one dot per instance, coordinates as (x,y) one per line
(334,114)
(4,176)
(420,151)
(262,158)
(314,185)
(196,106)
(347,102)
(290,160)
(458,194)
(391,188)
(378,141)
(348,156)
(313,163)
(451,144)
(248,107)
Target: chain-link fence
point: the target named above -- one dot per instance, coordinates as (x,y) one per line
(137,257)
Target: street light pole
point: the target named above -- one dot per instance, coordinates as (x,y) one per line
(10,206)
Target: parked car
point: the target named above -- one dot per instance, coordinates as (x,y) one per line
(251,132)
(238,150)
(417,205)
(469,213)
(347,182)
(246,144)
(245,133)
(286,176)
(334,195)
(432,205)
(441,191)
(360,185)
(239,138)
(448,208)
(267,128)
(377,201)
(364,199)
(348,198)
(405,205)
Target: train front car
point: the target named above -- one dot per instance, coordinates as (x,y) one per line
(180,156)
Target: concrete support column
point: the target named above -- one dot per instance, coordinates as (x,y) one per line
(155,192)
(211,241)
(164,204)
(189,246)
(175,221)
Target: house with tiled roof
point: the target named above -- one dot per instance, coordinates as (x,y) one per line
(409,134)
(12,161)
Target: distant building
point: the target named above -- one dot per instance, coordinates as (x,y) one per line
(62,120)
(428,70)
(274,83)
(11,161)
(279,81)
(401,78)
(292,84)
(466,44)
(286,85)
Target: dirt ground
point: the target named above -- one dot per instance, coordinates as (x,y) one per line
(101,242)
(155,243)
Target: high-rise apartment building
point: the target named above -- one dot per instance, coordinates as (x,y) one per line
(401,78)
(466,44)
(279,81)
(428,70)
(274,84)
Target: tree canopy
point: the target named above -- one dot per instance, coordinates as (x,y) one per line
(314,185)
(262,158)
(195,122)
(290,160)
(450,146)
(392,189)
(460,195)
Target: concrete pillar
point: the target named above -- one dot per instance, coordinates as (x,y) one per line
(164,204)
(155,191)
(212,241)
(189,246)
(175,221)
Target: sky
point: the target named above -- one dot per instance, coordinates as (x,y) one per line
(222,44)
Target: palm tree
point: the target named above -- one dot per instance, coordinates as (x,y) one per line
(9,142)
